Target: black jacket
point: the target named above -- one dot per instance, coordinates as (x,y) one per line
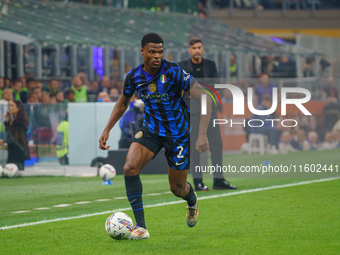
(209,72)
(209,68)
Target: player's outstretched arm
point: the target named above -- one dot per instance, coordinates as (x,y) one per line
(202,143)
(117,112)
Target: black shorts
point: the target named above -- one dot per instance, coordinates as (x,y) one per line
(177,149)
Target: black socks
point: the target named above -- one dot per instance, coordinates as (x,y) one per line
(190,198)
(134,192)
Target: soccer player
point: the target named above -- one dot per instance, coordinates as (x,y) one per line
(166,124)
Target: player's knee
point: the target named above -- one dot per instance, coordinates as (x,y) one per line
(177,190)
(130,170)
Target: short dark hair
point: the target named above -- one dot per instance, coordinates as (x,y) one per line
(151,38)
(17,80)
(195,40)
(68,92)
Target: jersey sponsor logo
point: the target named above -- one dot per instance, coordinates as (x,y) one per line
(157,96)
(139,134)
(152,87)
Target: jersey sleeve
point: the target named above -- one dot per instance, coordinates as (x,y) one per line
(129,87)
(182,78)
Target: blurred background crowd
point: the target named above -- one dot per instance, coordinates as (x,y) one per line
(58,52)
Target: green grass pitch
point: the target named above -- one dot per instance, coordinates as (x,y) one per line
(292,219)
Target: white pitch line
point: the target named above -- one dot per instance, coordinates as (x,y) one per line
(83,202)
(42,208)
(153,194)
(120,198)
(21,211)
(103,200)
(171,203)
(62,205)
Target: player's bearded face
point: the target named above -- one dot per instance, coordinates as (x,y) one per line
(152,55)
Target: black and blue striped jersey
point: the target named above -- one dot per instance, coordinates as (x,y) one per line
(166,114)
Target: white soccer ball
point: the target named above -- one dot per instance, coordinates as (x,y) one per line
(107,172)
(1,171)
(119,226)
(11,170)
(245,148)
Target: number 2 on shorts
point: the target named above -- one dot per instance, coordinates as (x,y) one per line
(180,148)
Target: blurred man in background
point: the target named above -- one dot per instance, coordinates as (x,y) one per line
(200,67)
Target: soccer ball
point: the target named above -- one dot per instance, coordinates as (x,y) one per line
(1,171)
(11,170)
(119,226)
(107,172)
(245,148)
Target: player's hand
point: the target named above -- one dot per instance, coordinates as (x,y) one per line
(202,143)
(103,139)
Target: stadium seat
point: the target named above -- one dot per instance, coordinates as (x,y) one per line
(257,143)
(79,24)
